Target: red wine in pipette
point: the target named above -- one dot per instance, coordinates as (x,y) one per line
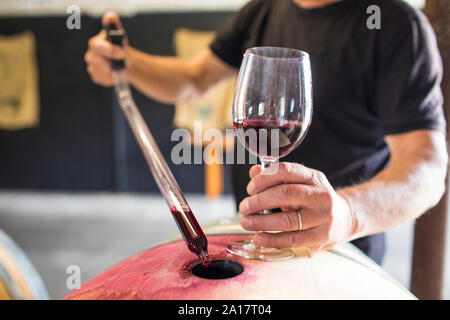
(194,236)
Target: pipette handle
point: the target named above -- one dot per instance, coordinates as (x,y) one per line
(115,36)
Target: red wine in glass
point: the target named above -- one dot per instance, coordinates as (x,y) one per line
(272,138)
(196,241)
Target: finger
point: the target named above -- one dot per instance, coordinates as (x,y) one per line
(99,64)
(100,76)
(101,46)
(287,173)
(309,238)
(282,221)
(101,80)
(284,195)
(254,170)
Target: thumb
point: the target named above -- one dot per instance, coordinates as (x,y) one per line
(111,18)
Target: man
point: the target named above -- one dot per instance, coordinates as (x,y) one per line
(375,155)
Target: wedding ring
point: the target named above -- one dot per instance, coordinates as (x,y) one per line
(300,223)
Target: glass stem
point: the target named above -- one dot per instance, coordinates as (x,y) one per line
(264,165)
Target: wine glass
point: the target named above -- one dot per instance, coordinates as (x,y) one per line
(272,111)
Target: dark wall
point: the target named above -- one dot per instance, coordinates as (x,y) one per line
(83,141)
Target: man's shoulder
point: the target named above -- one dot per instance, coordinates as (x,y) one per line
(396,11)
(400,20)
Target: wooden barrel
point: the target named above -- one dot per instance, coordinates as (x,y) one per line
(167,272)
(19,280)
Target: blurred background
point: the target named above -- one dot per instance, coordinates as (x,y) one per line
(74,187)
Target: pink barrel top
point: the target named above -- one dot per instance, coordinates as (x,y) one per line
(164,272)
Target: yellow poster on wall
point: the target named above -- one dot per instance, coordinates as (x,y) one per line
(19,85)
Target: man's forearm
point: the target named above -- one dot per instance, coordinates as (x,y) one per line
(167,79)
(171,79)
(410,185)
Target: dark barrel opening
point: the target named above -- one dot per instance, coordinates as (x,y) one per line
(218,269)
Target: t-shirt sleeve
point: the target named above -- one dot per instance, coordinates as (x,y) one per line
(408,80)
(230,39)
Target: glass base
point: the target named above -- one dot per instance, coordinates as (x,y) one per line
(231,220)
(247,249)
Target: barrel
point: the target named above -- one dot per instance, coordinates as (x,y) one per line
(169,271)
(19,279)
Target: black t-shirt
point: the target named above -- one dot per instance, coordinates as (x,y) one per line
(367,83)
